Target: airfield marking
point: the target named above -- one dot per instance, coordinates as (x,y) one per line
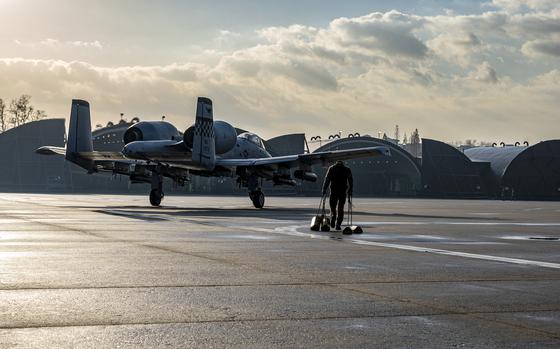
(462,254)
(520,224)
(292,230)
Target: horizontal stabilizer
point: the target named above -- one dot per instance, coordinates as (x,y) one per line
(48,150)
(101,156)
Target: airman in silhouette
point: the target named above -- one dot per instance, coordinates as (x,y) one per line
(339,177)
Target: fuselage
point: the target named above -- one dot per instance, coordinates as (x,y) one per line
(248,146)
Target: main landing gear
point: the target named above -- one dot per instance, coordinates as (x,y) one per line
(257,197)
(156,194)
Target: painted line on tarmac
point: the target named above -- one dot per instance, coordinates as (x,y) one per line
(518,224)
(292,231)
(461,254)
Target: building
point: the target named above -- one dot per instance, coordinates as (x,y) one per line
(522,172)
(448,173)
(110,137)
(507,172)
(25,171)
(397,175)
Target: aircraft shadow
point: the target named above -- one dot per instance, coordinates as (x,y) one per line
(159,213)
(278,213)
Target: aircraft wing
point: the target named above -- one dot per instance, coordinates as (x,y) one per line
(323,158)
(92,155)
(102,155)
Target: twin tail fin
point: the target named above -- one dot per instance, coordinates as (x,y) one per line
(204,148)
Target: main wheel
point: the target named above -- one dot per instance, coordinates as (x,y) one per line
(258,198)
(156,196)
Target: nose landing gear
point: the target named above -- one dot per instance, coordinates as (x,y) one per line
(255,193)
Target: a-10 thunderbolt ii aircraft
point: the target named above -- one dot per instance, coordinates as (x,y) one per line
(156,149)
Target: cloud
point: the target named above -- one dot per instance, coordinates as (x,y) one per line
(56,82)
(392,33)
(484,73)
(55,43)
(456,48)
(525,5)
(226,40)
(49,42)
(94,44)
(364,74)
(489,25)
(536,48)
(534,25)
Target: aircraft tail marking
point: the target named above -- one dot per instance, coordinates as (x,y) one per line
(204,152)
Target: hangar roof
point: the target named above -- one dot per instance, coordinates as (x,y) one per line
(346,142)
(520,161)
(498,157)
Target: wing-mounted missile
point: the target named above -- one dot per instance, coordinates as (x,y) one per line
(225,137)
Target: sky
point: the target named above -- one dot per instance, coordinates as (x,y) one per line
(456,70)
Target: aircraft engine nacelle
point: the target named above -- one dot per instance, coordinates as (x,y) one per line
(151,131)
(305,175)
(225,137)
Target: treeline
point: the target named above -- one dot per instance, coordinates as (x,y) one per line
(414,138)
(470,143)
(18,112)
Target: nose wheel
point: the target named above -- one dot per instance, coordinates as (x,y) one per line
(257,197)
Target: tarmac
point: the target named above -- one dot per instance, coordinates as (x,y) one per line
(109,271)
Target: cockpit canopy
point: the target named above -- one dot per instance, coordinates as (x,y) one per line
(253,138)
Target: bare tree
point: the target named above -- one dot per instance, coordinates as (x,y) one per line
(25,109)
(3,116)
(18,113)
(415,137)
(21,110)
(14,110)
(38,115)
